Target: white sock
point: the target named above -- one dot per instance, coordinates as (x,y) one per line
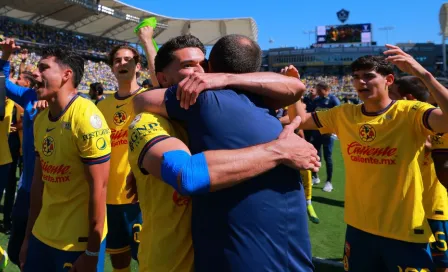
(308,202)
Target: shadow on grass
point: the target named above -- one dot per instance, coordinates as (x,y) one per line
(328,201)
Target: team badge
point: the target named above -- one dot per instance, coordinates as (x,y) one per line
(48,146)
(120,118)
(343,15)
(95,121)
(135,121)
(101,143)
(367,133)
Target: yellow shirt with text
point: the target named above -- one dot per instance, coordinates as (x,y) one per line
(119,113)
(5,126)
(79,137)
(166,214)
(384,187)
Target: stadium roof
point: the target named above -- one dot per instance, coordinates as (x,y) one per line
(116,20)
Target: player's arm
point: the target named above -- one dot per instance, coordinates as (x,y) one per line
(37,188)
(438,118)
(151,101)
(298,109)
(145,35)
(97,176)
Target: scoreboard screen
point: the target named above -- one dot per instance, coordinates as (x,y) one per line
(359,33)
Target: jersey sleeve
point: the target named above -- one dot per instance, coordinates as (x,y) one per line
(419,113)
(439,143)
(145,131)
(326,120)
(92,136)
(173,106)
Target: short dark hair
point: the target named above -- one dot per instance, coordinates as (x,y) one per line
(410,85)
(12,71)
(322,85)
(97,87)
(165,54)
(235,54)
(111,56)
(67,57)
(376,63)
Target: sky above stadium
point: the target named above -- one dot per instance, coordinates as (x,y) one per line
(285,23)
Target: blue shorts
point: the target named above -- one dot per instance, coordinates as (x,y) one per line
(123,222)
(366,252)
(43,258)
(439,248)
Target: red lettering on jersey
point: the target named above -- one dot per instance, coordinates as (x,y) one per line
(356,148)
(118,134)
(55,169)
(180,200)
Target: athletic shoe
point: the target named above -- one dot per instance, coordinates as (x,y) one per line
(315,180)
(328,187)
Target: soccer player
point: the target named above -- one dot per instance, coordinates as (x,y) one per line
(5,154)
(228,231)
(96,92)
(386,224)
(66,226)
(26,97)
(322,102)
(123,216)
(435,198)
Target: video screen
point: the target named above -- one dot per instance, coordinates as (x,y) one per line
(359,33)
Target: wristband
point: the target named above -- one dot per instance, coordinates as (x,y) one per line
(92,254)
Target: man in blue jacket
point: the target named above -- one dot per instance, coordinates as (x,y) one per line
(25,97)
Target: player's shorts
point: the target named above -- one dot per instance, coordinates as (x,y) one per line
(371,253)
(439,249)
(43,258)
(123,221)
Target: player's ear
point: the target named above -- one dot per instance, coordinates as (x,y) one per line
(138,67)
(161,78)
(390,80)
(67,75)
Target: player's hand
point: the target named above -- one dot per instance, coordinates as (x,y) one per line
(12,129)
(131,187)
(289,129)
(404,61)
(40,105)
(299,154)
(190,87)
(290,71)
(145,34)
(23,253)
(85,263)
(8,46)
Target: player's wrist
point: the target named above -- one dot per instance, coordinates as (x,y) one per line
(276,153)
(92,253)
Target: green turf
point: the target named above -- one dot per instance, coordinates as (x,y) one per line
(327,237)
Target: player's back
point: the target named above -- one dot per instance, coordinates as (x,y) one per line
(119,113)
(64,145)
(259,224)
(167,214)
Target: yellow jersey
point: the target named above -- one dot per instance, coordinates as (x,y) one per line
(384,187)
(64,145)
(166,230)
(118,112)
(5,126)
(439,142)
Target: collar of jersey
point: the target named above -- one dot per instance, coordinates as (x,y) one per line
(363,110)
(54,119)
(126,97)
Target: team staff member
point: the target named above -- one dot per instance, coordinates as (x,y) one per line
(393,232)
(67,223)
(124,217)
(26,97)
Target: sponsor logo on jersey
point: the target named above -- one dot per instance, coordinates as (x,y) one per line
(101,143)
(180,200)
(95,134)
(48,146)
(95,121)
(55,173)
(367,133)
(119,137)
(120,118)
(136,119)
(372,155)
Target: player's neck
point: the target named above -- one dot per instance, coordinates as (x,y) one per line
(58,104)
(125,88)
(377,105)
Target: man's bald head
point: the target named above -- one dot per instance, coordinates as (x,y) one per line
(235,54)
